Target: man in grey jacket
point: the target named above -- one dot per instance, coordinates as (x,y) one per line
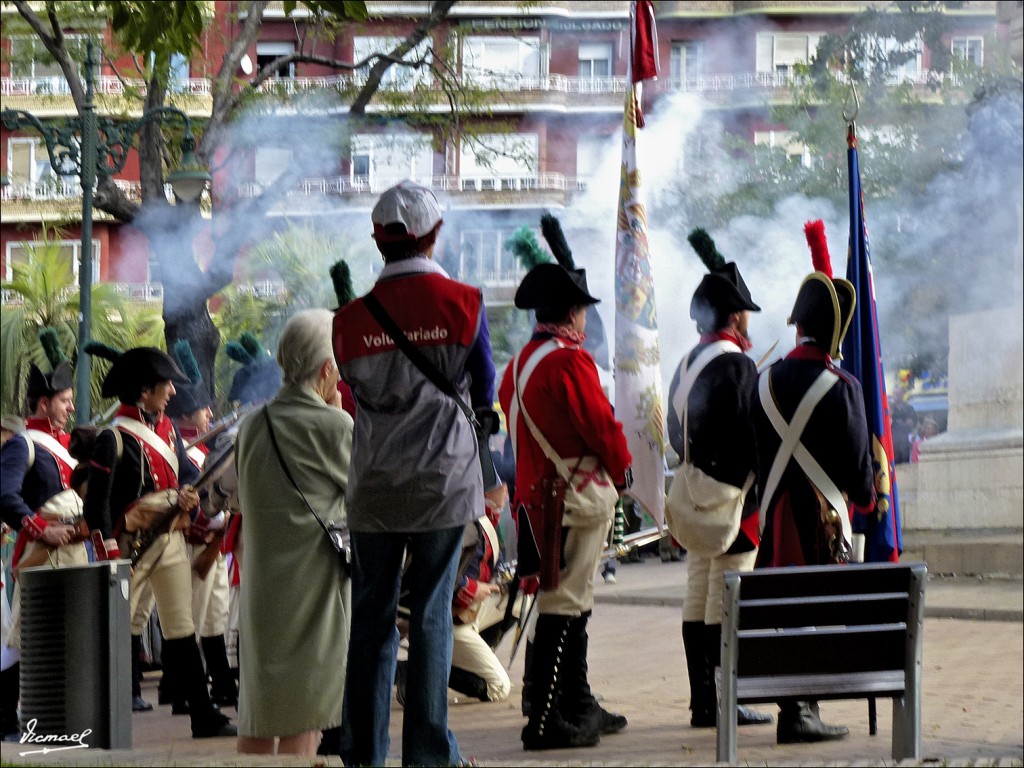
(415,480)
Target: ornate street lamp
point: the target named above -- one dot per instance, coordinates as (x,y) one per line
(93,148)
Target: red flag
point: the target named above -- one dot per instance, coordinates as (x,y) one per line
(643,39)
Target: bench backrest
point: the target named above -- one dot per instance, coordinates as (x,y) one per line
(825,619)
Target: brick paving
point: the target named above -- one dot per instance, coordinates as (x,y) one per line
(973,695)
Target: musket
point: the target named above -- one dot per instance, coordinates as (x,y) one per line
(106,416)
(221,425)
(632,541)
(765,356)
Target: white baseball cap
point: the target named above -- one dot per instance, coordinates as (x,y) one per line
(409,204)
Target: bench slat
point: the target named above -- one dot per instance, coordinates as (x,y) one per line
(856,578)
(763,689)
(874,608)
(821,651)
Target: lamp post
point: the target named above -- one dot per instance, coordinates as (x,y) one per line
(93,148)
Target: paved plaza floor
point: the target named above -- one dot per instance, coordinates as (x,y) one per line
(973,695)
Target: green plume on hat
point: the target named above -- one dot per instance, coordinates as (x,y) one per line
(705,248)
(551,228)
(51,346)
(523,243)
(341,277)
(246,350)
(99,349)
(187,361)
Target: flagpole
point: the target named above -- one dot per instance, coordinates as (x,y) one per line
(637,366)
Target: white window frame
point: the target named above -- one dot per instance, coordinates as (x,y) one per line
(76,255)
(491,242)
(964,42)
(397,77)
(379,149)
(785,140)
(592,54)
(769,59)
(475,46)
(277,49)
(504,171)
(686,61)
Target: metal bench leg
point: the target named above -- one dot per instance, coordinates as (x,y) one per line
(872,717)
(726,678)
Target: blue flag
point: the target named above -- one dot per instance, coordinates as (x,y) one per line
(862,357)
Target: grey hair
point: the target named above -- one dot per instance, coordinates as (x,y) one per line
(304,346)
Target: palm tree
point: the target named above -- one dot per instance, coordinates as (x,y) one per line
(43,294)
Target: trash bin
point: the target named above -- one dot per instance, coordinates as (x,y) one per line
(76,655)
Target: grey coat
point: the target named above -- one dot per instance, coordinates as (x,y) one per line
(294,602)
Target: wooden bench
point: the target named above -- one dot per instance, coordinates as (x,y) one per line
(824,632)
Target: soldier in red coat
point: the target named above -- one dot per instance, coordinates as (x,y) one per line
(555,381)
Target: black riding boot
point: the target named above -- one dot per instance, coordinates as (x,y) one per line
(468,684)
(578,704)
(547,728)
(223,691)
(139,704)
(170,690)
(702,703)
(713,644)
(527,678)
(185,667)
(799,723)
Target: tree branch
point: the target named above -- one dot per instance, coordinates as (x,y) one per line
(55,45)
(225,100)
(438,12)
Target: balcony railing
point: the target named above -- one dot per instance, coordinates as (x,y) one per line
(68,188)
(353,185)
(145,292)
(105,85)
(499,81)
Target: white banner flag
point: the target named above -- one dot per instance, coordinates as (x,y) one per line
(638,397)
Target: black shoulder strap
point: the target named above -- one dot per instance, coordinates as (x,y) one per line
(417,358)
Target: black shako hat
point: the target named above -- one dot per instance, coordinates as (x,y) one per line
(722,289)
(136,368)
(61,375)
(824,304)
(193,396)
(552,285)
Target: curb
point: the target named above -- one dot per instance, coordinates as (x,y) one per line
(930,612)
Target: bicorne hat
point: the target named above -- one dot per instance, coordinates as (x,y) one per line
(135,368)
(824,304)
(193,396)
(722,290)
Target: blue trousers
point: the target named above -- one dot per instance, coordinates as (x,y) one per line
(377,560)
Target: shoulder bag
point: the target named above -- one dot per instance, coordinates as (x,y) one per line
(703,514)
(428,369)
(337,533)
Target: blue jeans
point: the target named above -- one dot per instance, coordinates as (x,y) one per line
(376,576)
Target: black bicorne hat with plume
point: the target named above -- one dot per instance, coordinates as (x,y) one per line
(559,284)
(824,304)
(722,290)
(61,375)
(259,378)
(135,368)
(191,397)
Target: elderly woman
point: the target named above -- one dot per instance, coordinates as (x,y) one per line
(295,599)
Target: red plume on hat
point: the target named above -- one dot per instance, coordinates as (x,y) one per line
(815,232)
(824,304)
